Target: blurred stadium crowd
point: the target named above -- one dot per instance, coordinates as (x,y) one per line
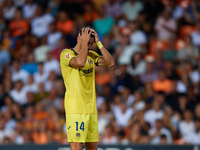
(151,95)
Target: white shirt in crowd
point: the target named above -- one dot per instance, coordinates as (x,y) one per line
(29,10)
(178,12)
(186,128)
(9,13)
(52,65)
(31,88)
(132,11)
(53,38)
(193,138)
(138,38)
(130,100)
(196,38)
(194,76)
(162,32)
(40,25)
(138,70)
(122,118)
(19,97)
(139,106)
(99,101)
(151,116)
(112,140)
(48,85)
(127,53)
(38,78)
(156,140)
(40,53)
(102,122)
(181,87)
(10,125)
(20,75)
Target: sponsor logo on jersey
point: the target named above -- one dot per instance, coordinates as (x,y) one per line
(87,71)
(90,61)
(67,55)
(78,134)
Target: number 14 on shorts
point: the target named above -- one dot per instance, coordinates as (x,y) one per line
(81,126)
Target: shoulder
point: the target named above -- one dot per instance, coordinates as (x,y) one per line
(67,53)
(93,53)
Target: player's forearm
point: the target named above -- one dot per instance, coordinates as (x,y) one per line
(107,57)
(82,56)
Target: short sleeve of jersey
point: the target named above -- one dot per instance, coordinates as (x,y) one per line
(66,56)
(95,57)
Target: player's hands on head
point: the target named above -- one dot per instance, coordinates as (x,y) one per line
(95,35)
(85,37)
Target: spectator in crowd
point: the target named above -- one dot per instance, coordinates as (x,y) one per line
(137,37)
(123,112)
(192,12)
(189,51)
(196,34)
(9,10)
(165,26)
(41,75)
(18,26)
(4,58)
(54,7)
(150,74)
(40,52)
(103,24)
(90,14)
(53,37)
(30,66)
(138,65)
(131,9)
(31,85)
(51,64)
(64,23)
(18,73)
(193,137)
(186,126)
(153,114)
(41,22)
(18,94)
(157,132)
(61,45)
(113,9)
(29,9)
(162,83)
(109,138)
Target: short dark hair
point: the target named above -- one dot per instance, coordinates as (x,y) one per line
(81,29)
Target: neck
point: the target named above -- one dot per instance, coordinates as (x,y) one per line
(77,48)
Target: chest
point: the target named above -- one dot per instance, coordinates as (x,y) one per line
(88,69)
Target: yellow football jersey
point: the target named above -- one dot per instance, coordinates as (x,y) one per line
(80,95)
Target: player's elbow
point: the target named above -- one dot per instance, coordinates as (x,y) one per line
(80,64)
(111,64)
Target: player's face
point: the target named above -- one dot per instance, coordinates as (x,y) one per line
(90,43)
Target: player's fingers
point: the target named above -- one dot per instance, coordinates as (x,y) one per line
(89,32)
(93,30)
(84,30)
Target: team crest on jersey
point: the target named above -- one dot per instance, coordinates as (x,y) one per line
(90,61)
(78,134)
(67,55)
